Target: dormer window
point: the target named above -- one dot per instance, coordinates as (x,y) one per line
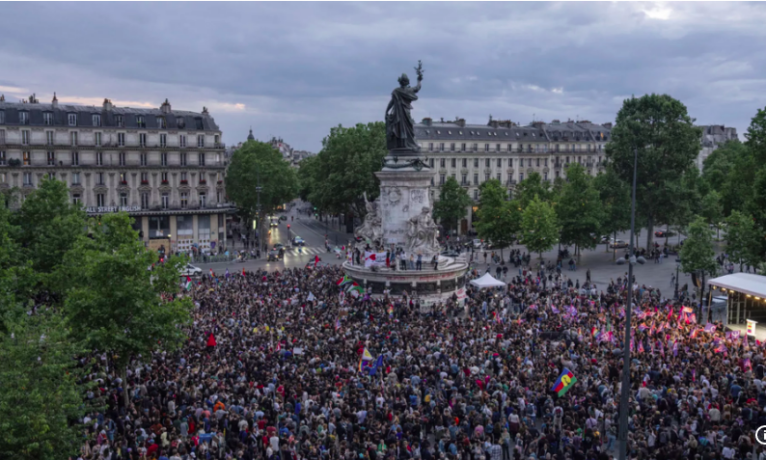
(24,118)
(198,122)
(96,119)
(72,119)
(2,116)
(161,123)
(118,121)
(180,123)
(48,118)
(140,121)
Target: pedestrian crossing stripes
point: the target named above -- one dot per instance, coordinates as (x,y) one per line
(318,251)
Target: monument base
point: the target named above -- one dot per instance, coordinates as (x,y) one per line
(428,286)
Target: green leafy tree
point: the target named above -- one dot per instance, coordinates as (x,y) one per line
(529,188)
(756,136)
(615,199)
(742,243)
(498,217)
(452,204)
(47,226)
(712,209)
(259,163)
(41,398)
(579,210)
(306,177)
(697,254)
(756,207)
(667,142)
(346,166)
(17,279)
(539,227)
(115,304)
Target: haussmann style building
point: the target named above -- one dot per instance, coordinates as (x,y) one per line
(165,167)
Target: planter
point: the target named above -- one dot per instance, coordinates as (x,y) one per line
(124,182)
(184,182)
(164,182)
(144,182)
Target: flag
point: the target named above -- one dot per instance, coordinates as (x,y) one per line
(377,365)
(243,272)
(710,328)
(391,311)
(564,382)
(311,297)
(343,281)
(642,327)
(366,356)
(356,290)
(188,284)
(337,324)
(316,261)
(212,275)
(694,333)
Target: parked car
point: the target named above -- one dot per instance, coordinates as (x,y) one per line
(191,270)
(273,255)
(616,244)
(664,234)
(298,241)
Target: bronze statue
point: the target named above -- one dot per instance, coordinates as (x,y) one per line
(400,129)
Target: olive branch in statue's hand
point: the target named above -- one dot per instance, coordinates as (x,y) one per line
(419,70)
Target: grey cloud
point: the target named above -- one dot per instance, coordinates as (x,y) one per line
(301,68)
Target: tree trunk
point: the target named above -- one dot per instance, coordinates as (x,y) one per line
(650,234)
(614,249)
(126,392)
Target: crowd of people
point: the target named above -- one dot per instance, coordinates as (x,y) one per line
(289,365)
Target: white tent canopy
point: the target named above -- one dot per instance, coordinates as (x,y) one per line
(487,281)
(746,283)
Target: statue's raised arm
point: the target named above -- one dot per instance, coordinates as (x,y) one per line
(400,129)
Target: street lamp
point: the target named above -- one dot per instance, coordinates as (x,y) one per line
(678,265)
(625,387)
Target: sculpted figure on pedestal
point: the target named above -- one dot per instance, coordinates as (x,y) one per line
(372,227)
(421,234)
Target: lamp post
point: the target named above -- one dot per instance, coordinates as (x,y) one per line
(625,386)
(258,189)
(678,265)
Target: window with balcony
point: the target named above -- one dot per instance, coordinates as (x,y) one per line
(510,178)
(538,163)
(25,137)
(431,162)
(452,147)
(462,147)
(184,178)
(454,162)
(121,139)
(183,158)
(200,140)
(163,159)
(430,146)
(76,199)
(124,178)
(97,139)
(521,177)
(475,147)
(100,179)
(202,200)
(464,179)
(48,118)
(72,119)
(144,159)
(163,140)
(475,179)
(219,196)
(442,162)
(201,159)
(165,201)
(182,141)
(475,194)
(144,178)
(24,118)
(545,162)
(140,121)
(99,158)
(441,147)
(499,162)
(486,176)
(51,159)
(123,199)
(487,163)
(465,162)
(100,200)
(567,160)
(557,174)
(144,200)
(2,137)
(76,178)
(73,139)
(545,176)
(27,178)
(164,177)
(184,200)
(121,158)
(441,179)
(510,162)
(2,158)
(142,139)
(475,162)
(26,158)
(486,147)
(96,118)
(202,180)
(521,162)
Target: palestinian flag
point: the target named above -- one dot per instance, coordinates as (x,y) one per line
(188,284)
(343,281)
(565,381)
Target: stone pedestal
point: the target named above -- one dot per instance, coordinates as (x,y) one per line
(404,193)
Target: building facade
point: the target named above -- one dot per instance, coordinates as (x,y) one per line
(474,154)
(713,136)
(165,167)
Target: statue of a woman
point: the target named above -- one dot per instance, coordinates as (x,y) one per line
(400,129)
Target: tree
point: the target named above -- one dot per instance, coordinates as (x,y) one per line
(498,217)
(579,209)
(115,304)
(258,163)
(756,136)
(306,174)
(452,204)
(41,398)
(742,243)
(712,209)
(47,226)
(530,187)
(17,279)
(615,199)
(667,142)
(697,254)
(539,228)
(346,166)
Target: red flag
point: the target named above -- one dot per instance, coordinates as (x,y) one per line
(243,271)
(316,261)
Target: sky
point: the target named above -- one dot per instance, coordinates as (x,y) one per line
(295,70)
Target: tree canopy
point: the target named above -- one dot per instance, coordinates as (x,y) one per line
(579,209)
(452,204)
(539,227)
(498,217)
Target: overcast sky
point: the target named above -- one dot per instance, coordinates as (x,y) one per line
(296,69)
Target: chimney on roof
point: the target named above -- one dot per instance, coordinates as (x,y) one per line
(165,107)
(2,97)
(427,121)
(33,99)
(55,101)
(204,111)
(108,105)
(538,124)
(555,122)
(442,119)
(461,122)
(607,125)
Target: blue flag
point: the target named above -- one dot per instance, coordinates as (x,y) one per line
(378,364)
